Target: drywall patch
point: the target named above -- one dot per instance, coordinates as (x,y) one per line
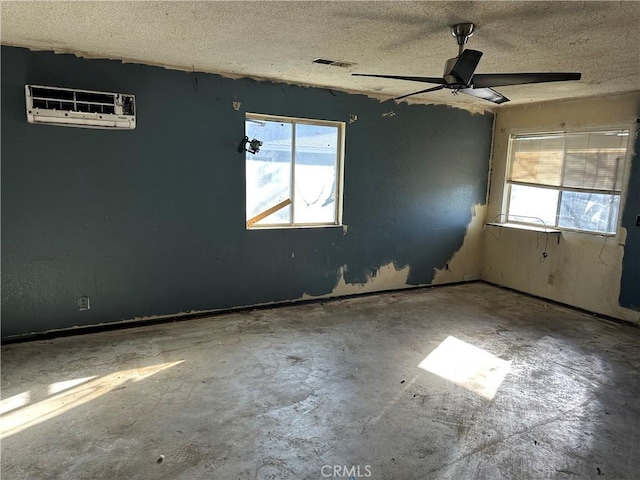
(386,277)
(466,262)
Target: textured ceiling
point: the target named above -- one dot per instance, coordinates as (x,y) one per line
(279,40)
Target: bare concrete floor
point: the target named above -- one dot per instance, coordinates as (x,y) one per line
(459,382)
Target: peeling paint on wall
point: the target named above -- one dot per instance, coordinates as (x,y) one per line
(466,262)
(589,271)
(60,49)
(387,277)
(409,184)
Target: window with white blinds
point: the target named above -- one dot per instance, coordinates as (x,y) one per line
(568,180)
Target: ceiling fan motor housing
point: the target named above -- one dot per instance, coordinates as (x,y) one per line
(458,71)
(449,77)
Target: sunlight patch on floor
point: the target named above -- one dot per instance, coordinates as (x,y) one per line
(470,367)
(85,390)
(61,386)
(14,402)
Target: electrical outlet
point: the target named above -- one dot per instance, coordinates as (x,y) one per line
(551,279)
(83,303)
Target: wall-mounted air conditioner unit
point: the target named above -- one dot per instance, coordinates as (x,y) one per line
(80,108)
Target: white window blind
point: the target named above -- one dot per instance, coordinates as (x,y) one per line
(585,160)
(567,180)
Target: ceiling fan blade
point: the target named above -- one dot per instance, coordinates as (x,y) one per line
(433,89)
(486,94)
(466,65)
(437,80)
(482,80)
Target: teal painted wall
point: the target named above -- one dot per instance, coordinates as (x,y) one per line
(151,221)
(630,283)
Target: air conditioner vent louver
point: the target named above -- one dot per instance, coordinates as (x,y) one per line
(80,108)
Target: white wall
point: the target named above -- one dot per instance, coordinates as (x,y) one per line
(586,268)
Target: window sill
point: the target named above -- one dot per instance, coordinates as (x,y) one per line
(528,228)
(557,231)
(293,227)
(531,228)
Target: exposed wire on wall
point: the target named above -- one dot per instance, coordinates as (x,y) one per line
(545,253)
(604,244)
(499,231)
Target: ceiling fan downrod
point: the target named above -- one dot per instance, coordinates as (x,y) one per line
(462,32)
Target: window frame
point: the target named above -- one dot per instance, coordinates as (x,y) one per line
(506,194)
(340,152)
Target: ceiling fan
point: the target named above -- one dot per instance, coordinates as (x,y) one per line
(459,76)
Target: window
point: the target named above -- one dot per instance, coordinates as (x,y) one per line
(567,180)
(295,179)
